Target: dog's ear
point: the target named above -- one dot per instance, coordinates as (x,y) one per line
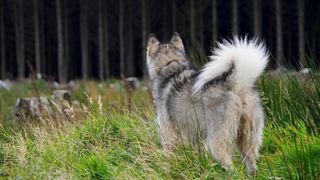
(153,44)
(176,41)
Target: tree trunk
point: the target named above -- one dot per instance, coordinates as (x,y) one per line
(144,34)
(279,54)
(84,39)
(103,41)
(3,43)
(200,24)
(289,48)
(129,58)
(174,16)
(61,65)
(42,39)
(300,6)
(318,39)
(235,23)
(164,20)
(214,22)
(257,18)
(37,36)
(66,38)
(101,38)
(106,41)
(192,22)
(121,38)
(313,35)
(19,32)
(270,31)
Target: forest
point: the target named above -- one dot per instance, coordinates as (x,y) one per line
(64,40)
(76,101)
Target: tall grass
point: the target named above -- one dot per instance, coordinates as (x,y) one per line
(112,141)
(292,98)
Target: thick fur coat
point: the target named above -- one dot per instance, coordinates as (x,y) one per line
(218,103)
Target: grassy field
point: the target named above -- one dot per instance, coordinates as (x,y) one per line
(115,135)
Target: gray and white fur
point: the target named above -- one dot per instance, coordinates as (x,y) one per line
(217,104)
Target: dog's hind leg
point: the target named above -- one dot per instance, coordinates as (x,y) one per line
(221,151)
(222,126)
(250,130)
(169,134)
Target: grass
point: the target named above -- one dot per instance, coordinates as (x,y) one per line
(115,139)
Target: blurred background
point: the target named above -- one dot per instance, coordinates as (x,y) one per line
(99,39)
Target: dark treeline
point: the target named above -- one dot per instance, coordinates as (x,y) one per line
(70,39)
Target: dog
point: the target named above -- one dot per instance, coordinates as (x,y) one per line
(218,103)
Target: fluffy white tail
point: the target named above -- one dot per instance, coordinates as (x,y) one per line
(248,58)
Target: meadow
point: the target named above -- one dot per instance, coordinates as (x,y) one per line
(114,135)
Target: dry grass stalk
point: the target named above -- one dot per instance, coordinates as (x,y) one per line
(33,76)
(129,92)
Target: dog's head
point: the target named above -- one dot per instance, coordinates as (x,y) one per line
(162,54)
